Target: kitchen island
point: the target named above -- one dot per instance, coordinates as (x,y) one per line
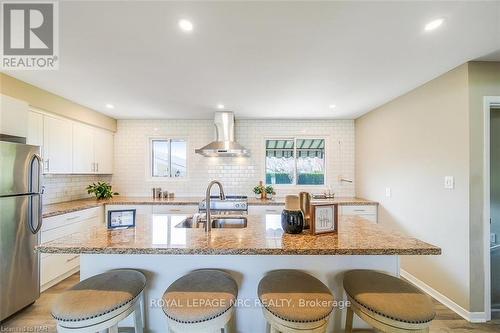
(165,252)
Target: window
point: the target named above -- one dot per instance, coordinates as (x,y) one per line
(168,158)
(295,161)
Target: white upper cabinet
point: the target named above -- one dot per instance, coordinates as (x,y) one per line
(57,145)
(83,149)
(103,151)
(35,129)
(70,147)
(13,116)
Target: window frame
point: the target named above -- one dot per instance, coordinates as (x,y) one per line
(295,138)
(150,154)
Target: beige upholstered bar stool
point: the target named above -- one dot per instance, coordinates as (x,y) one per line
(387,303)
(101,302)
(294,301)
(200,302)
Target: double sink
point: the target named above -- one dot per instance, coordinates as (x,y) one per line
(217,223)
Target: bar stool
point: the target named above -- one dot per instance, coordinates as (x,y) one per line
(200,302)
(387,303)
(294,301)
(101,302)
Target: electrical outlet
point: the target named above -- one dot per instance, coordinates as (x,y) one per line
(493,238)
(388,192)
(449,182)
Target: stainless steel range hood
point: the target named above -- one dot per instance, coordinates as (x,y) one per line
(224,144)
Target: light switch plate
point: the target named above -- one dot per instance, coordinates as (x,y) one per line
(388,192)
(449,182)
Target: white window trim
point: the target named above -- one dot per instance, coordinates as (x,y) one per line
(149,159)
(295,137)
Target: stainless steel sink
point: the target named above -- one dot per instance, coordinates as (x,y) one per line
(217,223)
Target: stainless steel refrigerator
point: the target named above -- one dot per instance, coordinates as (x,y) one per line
(20,223)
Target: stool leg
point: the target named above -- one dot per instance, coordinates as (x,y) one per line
(348,320)
(138,318)
(113,329)
(273,330)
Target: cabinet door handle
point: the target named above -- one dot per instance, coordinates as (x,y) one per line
(97,166)
(47,165)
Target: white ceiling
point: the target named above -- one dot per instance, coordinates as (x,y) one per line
(260,59)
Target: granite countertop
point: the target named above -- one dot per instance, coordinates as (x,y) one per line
(263,236)
(76,205)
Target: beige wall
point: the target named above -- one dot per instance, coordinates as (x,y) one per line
(484,80)
(48,101)
(410,144)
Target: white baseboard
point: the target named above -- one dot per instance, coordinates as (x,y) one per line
(473,317)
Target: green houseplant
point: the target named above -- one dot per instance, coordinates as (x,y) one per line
(101,190)
(269,191)
(258,190)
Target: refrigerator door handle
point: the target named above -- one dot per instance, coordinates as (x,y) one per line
(35,193)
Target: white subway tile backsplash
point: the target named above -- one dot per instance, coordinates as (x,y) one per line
(239,175)
(59,188)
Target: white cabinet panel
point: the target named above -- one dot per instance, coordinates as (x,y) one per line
(264,209)
(103,151)
(57,145)
(35,129)
(175,209)
(13,116)
(368,212)
(55,267)
(83,149)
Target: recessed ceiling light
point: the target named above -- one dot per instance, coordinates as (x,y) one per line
(186,25)
(434,24)
(110,106)
(220,106)
(332,106)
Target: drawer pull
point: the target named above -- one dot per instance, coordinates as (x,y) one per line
(175,210)
(71,259)
(72,218)
(360,210)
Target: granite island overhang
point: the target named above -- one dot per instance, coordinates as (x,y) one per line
(164,253)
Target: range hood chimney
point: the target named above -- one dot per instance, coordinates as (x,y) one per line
(224,144)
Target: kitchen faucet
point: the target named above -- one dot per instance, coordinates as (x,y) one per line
(208,224)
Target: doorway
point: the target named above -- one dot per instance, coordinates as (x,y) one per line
(495,209)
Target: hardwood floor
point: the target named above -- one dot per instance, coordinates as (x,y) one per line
(37,318)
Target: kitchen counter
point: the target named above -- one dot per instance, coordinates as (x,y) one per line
(76,205)
(157,234)
(165,253)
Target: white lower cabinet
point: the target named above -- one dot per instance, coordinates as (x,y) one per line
(175,209)
(368,212)
(56,267)
(263,210)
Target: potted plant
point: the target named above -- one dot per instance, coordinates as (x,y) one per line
(269,192)
(258,191)
(101,190)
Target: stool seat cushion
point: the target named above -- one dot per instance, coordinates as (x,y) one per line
(99,295)
(295,296)
(200,296)
(389,296)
